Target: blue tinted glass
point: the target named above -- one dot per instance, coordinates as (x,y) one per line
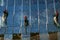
(50,12)
(16,30)
(51,28)
(14,22)
(9,30)
(43,28)
(10,7)
(34,16)
(42,16)
(2,30)
(17,15)
(42,12)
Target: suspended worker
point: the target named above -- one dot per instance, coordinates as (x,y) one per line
(57,14)
(56,18)
(5,15)
(26,23)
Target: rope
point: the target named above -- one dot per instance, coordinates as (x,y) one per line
(46,14)
(30,10)
(21,17)
(14,9)
(30,14)
(54,6)
(6,4)
(21,13)
(38,15)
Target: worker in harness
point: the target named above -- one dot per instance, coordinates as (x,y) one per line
(26,23)
(4,17)
(56,19)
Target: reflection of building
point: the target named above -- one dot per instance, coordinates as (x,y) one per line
(34,36)
(1,37)
(16,37)
(53,36)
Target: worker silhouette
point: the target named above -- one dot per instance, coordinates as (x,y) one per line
(56,19)
(26,23)
(4,17)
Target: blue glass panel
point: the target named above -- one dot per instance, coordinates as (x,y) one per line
(50,12)
(13,24)
(10,7)
(16,30)
(17,15)
(42,16)
(52,28)
(34,16)
(10,2)
(2,30)
(10,16)
(42,12)
(43,28)
(9,30)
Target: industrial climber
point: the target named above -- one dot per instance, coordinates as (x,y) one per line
(4,17)
(26,22)
(56,19)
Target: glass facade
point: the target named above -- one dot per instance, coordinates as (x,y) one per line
(40,14)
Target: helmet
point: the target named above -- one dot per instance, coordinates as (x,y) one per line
(57,13)
(25,17)
(5,11)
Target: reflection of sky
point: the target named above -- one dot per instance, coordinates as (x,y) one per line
(15,22)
